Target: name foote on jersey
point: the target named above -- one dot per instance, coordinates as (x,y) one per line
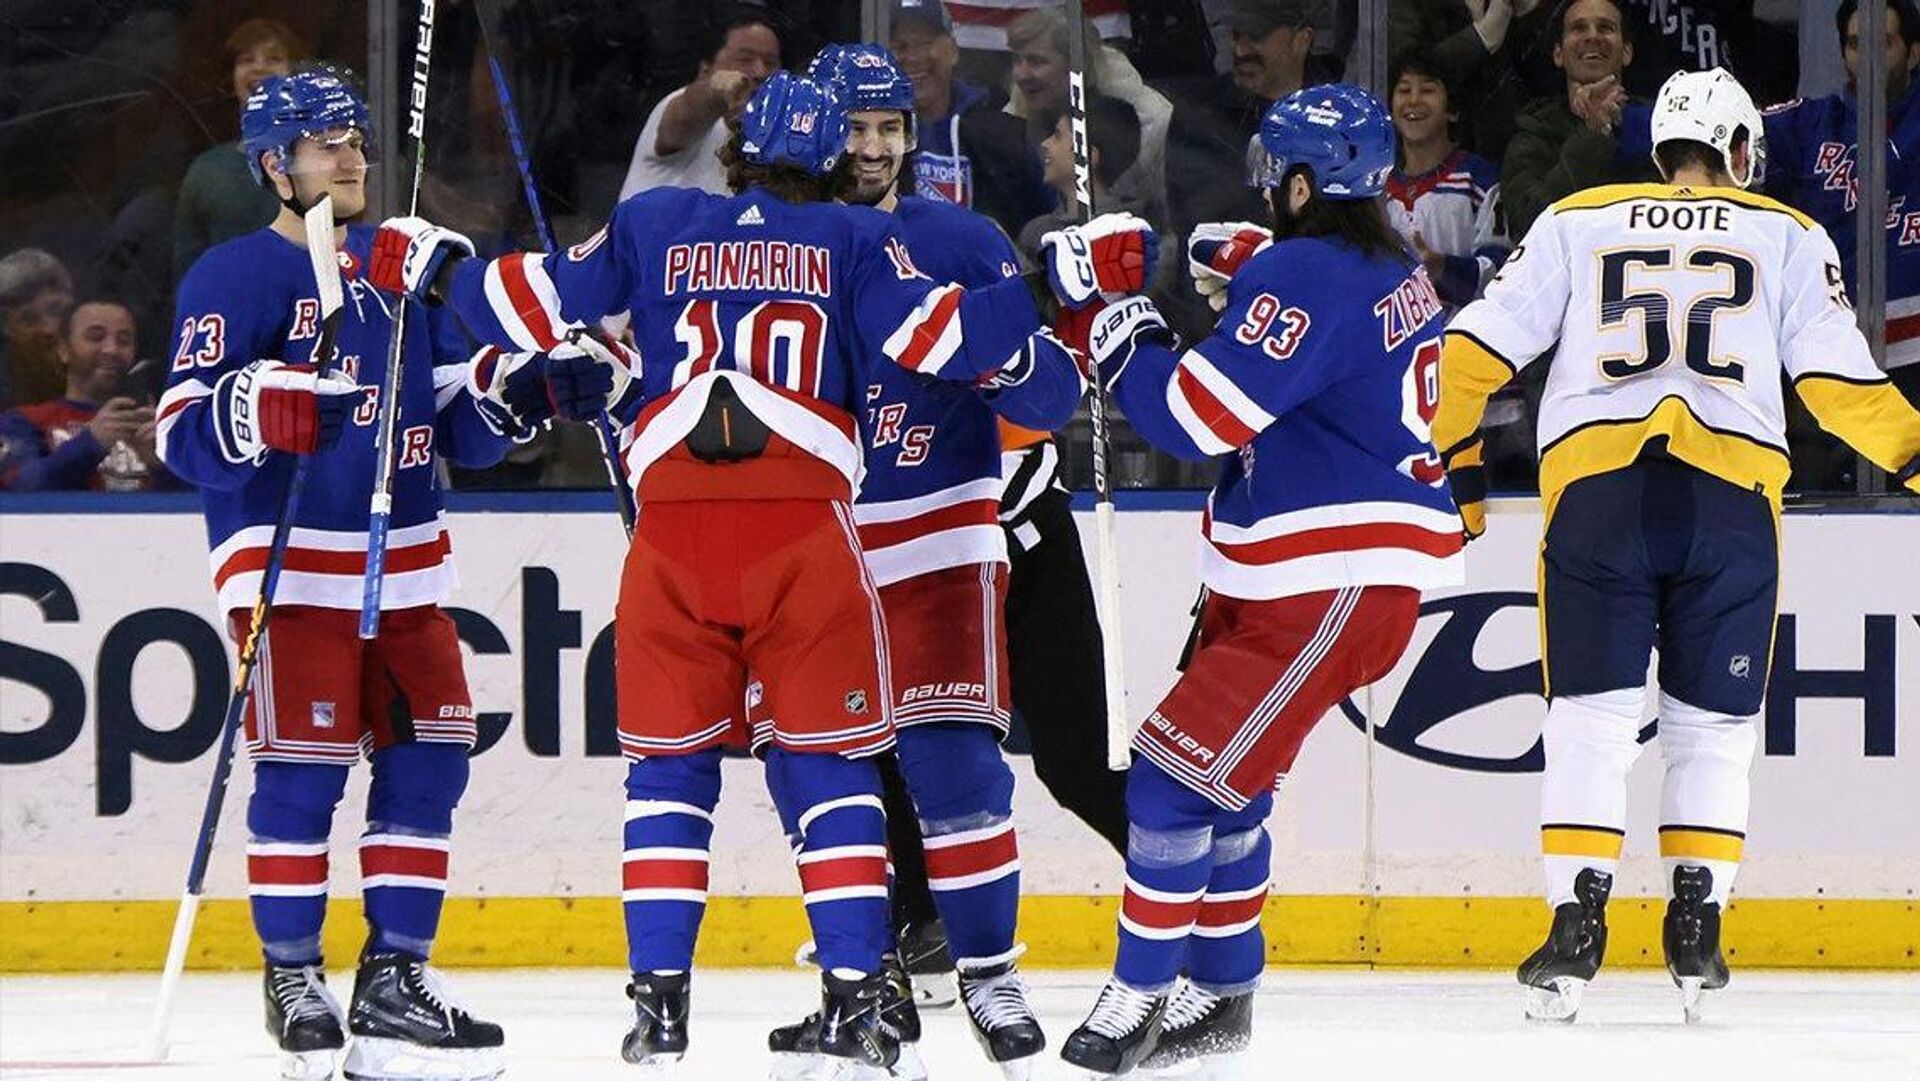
(1683,216)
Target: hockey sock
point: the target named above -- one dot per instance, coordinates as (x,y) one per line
(288,819)
(1591,741)
(830,807)
(403,853)
(1169,863)
(1228,951)
(963,793)
(663,875)
(1705,793)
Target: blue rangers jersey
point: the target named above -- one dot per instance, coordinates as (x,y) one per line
(931,493)
(792,306)
(253,298)
(1317,386)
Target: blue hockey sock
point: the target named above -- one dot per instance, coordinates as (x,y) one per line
(288,819)
(663,875)
(405,849)
(963,793)
(1169,861)
(1228,951)
(830,808)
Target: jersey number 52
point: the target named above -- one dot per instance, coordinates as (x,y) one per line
(1655,309)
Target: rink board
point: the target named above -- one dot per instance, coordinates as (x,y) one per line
(113,679)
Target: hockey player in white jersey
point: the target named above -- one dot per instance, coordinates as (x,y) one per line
(1676,308)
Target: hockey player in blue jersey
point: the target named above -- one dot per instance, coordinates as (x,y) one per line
(762,319)
(242,399)
(927,516)
(1330,516)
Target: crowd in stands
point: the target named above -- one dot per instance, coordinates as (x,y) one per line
(1502,107)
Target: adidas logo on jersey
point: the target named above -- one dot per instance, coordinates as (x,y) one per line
(752,216)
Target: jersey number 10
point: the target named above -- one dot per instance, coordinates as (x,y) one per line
(777,342)
(1655,309)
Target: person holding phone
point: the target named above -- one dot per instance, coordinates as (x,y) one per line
(97,434)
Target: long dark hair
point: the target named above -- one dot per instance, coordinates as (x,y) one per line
(1359,222)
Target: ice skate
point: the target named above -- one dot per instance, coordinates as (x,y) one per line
(796,1047)
(923,950)
(854,1040)
(1691,936)
(658,1038)
(1121,1031)
(1559,971)
(1003,1023)
(407,1027)
(1204,1037)
(305,1020)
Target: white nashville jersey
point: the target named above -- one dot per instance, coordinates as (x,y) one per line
(1675,311)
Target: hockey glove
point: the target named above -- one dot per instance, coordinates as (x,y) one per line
(510,392)
(1118,331)
(1467,477)
(409,252)
(1909,474)
(270,405)
(1215,253)
(1113,254)
(589,375)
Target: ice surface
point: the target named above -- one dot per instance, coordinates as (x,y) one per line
(1313,1024)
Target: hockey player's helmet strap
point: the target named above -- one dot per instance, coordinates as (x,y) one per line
(1339,132)
(867,77)
(794,120)
(285,108)
(1711,107)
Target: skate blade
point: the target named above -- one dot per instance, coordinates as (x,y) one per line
(910,1067)
(1226,1066)
(373,1058)
(835,1068)
(656,1066)
(1020,1069)
(793,1066)
(308,1065)
(935,991)
(1558,1001)
(1691,990)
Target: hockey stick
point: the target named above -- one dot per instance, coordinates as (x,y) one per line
(326,277)
(488,11)
(1106,550)
(380,506)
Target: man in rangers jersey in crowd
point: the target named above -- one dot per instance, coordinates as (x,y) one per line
(242,399)
(762,318)
(1676,309)
(1330,516)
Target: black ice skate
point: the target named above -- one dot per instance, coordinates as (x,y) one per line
(1691,935)
(796,1047)
(1003,1023)
(305,1020)
(923,950)
(1121,1030)
(1205,1035)
(659,1035)
(1559,971)
(407,1027)
(855,1039)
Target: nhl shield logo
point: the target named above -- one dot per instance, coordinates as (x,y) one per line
(856,701)
(323,714)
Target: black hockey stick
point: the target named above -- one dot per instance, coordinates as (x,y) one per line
(326,277)
(489,14)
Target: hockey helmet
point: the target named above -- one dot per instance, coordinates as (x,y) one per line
(867,77)
(1711,107)
(286,108)
(793,120)
(1339,132)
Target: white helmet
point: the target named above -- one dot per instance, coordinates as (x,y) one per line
(1709,107)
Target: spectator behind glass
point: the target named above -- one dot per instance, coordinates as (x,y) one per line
(1038,41)
(969,152)
(1444,201)
(218,197)
(1568,142)
(35,293)
(1210,138)
(93,436)
(1475,43)
(680,144)
(1700,35)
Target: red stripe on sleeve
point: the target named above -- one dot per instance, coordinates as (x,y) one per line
(931,329)
(526,303)
(1212,411)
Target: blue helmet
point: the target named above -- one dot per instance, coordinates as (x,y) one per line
(867,77)
(283,108)
(1340,132)
(793,120)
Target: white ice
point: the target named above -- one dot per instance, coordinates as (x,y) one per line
(566,1024)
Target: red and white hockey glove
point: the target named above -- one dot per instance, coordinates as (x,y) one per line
(1113,254)
(409,252)
(1215,253)
(510,392)
(589,375)
(270,405)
